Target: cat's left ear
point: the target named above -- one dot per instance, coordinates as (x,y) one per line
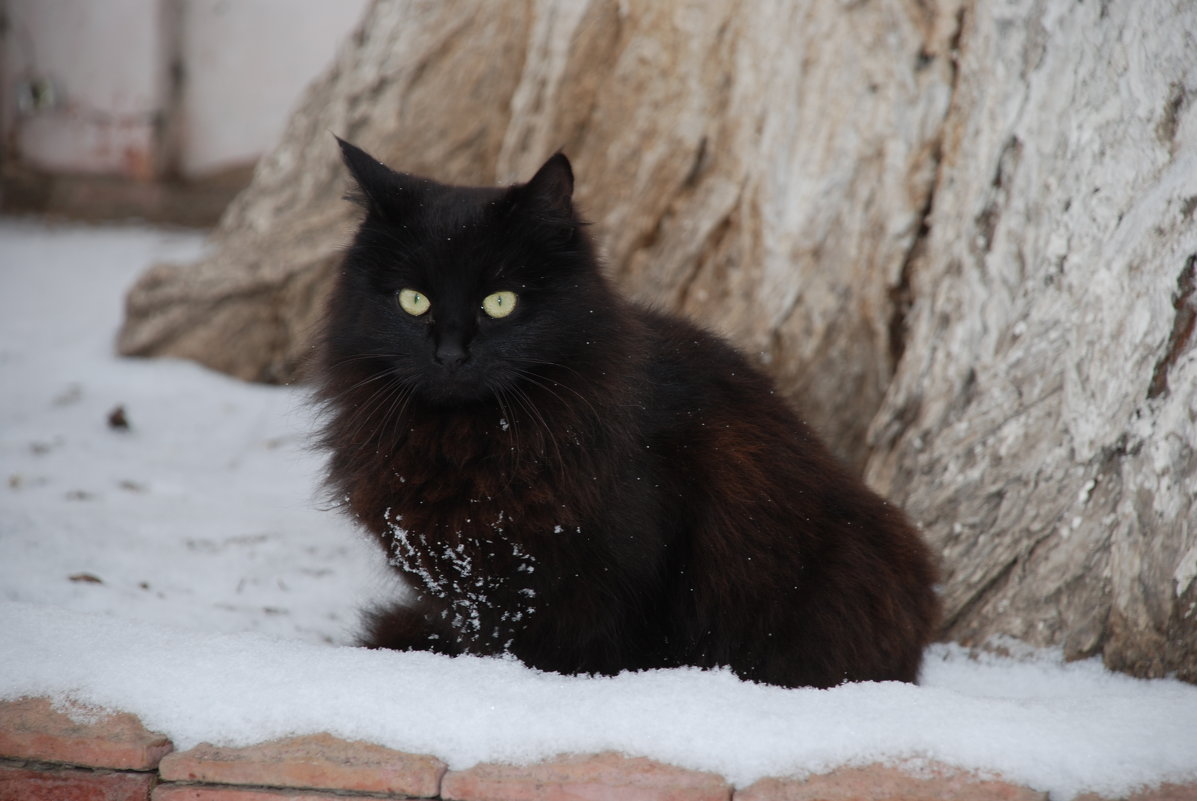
(550,192)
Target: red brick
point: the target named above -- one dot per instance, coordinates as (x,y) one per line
(31,728)
(601,777)
(882,783)
(317,761)
(73,784)
(207,792)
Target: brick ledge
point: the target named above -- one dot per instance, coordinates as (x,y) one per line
(45,755)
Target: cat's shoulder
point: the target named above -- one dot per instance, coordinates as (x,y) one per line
(687,363)
(675,339)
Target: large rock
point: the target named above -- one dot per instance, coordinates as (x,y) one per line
(1043,419)
(960,233)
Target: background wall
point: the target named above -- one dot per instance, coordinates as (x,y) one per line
(151,89)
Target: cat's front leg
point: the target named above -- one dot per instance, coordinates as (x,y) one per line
(402,627)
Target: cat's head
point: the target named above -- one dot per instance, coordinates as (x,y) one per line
(462,293)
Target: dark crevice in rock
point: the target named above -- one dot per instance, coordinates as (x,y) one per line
(987,221)
(1170,121)
(901,295)
(1184,301)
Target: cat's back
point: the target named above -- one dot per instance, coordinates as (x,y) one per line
(783,544)
(704,389)
(748,467)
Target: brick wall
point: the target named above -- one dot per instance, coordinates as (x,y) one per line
(45,755)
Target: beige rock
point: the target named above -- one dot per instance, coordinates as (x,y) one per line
(1043,420)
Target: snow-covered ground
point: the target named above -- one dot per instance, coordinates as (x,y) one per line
(183,570)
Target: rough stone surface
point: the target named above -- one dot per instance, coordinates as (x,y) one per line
(72,784)
(602,777)
(314,761)
(1042,424)
(883,783)
(31,728)
(961,233)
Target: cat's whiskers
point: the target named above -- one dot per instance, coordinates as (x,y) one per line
(362,414)
(543,381)
(509,415)
(559,365)
(394,389)
(398,405)
(331,400)
(537,417)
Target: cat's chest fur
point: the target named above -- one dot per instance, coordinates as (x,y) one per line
(481,515)
(449,473)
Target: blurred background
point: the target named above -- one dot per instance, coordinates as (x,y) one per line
(155,109)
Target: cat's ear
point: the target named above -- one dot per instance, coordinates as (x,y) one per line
(550,192)
(370,174)
(381,189)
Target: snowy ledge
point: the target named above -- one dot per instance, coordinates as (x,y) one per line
(255,710)
(50,751)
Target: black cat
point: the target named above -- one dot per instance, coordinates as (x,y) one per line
(580,482)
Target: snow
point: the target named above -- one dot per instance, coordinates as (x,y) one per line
(215,599)
(205,510)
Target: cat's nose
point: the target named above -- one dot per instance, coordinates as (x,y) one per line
(451,354)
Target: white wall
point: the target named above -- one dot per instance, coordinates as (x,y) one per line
(247,63)
(113,105)
(100,64)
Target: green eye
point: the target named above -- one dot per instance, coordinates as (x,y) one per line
(499,304)
(413,302)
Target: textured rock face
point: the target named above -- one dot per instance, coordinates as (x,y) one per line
(1041,424)
(961,234)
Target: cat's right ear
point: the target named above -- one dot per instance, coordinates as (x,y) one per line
(368,173)
(382,190)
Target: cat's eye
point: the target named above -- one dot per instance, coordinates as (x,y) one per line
(499,304)
(413,302)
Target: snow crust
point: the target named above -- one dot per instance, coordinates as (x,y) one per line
(182,570)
